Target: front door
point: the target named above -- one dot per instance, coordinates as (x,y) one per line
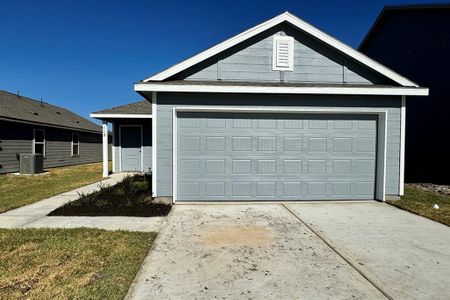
(131,142)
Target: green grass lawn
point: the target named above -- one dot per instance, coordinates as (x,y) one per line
(16,191)
(70,263)
(421,202)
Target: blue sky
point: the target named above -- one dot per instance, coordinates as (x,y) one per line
(85,55)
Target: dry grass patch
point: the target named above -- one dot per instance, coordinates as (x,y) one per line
(70,263)
(421,202)
(17,191)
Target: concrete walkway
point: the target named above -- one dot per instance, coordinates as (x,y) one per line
(35,215)
(365,250)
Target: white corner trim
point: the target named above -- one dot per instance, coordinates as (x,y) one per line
(154,146)
(380,184)
(120,145)
(113,150)
(174,155)
(105,145)
(402,146)
(121,116)
(194,88)
(296,22)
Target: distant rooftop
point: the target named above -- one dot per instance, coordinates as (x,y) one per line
(23,109)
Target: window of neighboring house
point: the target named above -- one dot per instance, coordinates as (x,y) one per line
(39,141)
(75,145)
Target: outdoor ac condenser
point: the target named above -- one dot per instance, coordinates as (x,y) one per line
(31,163)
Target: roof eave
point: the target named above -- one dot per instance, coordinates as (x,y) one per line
(312,90)
(106,116)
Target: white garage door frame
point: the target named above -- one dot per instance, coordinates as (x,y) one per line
(380,176)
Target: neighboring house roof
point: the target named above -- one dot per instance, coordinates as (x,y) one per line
(22,109)
(297,23)
(398,9)
(137,109)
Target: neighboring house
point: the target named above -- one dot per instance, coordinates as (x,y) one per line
(414,40)
(31,126)
(281,111)
(132,135)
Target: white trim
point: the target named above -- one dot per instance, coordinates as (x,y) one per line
(121,116)
(113,150)
(402,146)
(105,145)
(39,143)
(72,143)
(174,154)
(154,145)
(380,178)
(204,88)
(120,145)
(296,22)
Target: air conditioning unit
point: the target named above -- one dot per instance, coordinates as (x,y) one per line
(31,163)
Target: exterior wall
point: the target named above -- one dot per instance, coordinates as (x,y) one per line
(167,101)
(16,138)
(415,43)
(313,63)
(146,139)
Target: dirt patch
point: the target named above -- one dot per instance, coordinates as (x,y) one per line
(220,236)
(431,187)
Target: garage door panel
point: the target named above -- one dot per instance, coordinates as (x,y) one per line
(275,157)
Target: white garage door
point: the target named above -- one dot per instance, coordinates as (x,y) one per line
(237,156)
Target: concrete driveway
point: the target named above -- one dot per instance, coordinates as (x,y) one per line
(289,251)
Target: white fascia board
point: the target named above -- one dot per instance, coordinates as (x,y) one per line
(121,116)
(400,91)
(300,24)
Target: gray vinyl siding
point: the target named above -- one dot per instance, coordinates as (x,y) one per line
(16,138)
(313,63)
(146,139)
(166,102)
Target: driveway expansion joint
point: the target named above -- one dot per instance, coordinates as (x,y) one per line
(347,260)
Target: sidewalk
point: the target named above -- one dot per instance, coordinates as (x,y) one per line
(35,214)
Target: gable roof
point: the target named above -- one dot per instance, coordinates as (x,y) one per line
(139,109)
(297,23)
(23,109)
(399,9)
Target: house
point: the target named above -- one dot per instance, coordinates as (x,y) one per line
(132,135)
(282,111)
(414,40)
(30,126)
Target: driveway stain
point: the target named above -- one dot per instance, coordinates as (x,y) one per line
(234,235)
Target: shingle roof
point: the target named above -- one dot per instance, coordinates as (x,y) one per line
(20,108)
(143,107)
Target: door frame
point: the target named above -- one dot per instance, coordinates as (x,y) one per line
(120,145)
(380,164)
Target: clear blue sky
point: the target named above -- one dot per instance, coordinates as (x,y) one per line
(85,55)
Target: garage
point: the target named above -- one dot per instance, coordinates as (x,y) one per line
(223,156)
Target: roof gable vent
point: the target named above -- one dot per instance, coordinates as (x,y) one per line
(283,53)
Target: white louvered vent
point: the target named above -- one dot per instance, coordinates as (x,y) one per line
(283,53)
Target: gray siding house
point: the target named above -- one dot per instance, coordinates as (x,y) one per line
(282,111)
(414,40)
(31,126)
